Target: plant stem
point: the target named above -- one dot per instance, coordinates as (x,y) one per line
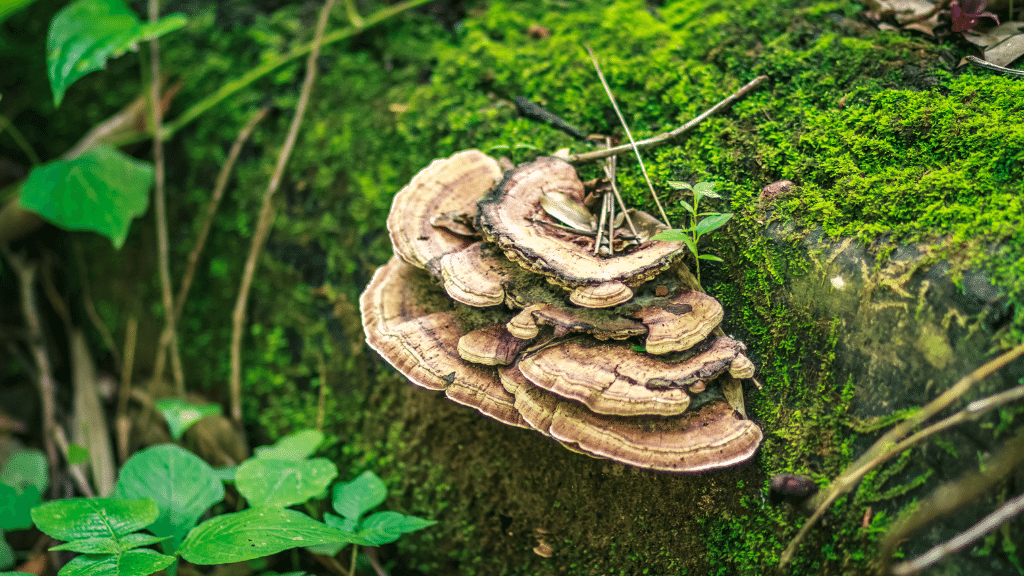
(266,217)
(169,336)
(667,136)
(352,566)
(254,74)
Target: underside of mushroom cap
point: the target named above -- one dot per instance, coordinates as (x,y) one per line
(411,324)
(615,379)
(447,186)
(512,217)
(698,440)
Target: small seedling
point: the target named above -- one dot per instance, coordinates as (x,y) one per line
(701,223)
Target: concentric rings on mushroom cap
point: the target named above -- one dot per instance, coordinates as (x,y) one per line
(512,218)
(704,439)
(447,185)
(411,324)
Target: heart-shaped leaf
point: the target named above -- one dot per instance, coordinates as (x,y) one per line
(84,34)
(102,190)
(181,483)
(180,414)
(295,446)
(355,498)
(266,482)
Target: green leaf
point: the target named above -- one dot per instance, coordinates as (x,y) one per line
(711,257)
(355,498)
(226,473)
(691,245)
(131,563)
(16,506)
(80,518)
(385,527)
(102,190)
(77,454)
(180,415)
(687,205)
(86,33)
(710,223)
(108,545)
(266,482)
(295,446)
(254,533)
(26,466)
(181,483)
(679,185)
(706,189)
(343,524)
(672,235)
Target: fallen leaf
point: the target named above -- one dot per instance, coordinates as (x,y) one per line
(995,35)
(1006,51)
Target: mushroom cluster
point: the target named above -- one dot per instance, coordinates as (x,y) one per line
(613,354)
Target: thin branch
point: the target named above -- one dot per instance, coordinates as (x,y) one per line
(889,445)
(232,86)
(77,473)
(266,217)
(26,273)
(90,304)
(124,392)
(211,208)
(667,136)
(19,140)
(993,67)
(625,127)
(1003,514)
(371,555)
(169,337)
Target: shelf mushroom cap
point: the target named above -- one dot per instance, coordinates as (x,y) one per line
(698,440)
(614,379)
(477,275)
(678,323)
(512,217)
(446,186)
(411,324)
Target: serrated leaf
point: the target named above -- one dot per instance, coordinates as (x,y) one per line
(254,533)
(710,223)
(102,190)
(181,483)
(672,235)
(26,466)
(131,563)
(355,498)
(266,482)
(99,545)
(180,414)
(86,33)
(386,527)
(16,506)
(80,518)
(295,446)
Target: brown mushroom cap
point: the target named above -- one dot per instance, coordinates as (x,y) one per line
(704,439)
(513,219)
(448,185)
(477,275)
(411,324)
(564,319)
(680,322)
(614,379)
(491,345)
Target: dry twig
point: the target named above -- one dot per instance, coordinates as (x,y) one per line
(26,270)
(90,305)
(666,136)
(625,127)
(122,423)
(211,208)
(890,445)
(169,336)
(266,217)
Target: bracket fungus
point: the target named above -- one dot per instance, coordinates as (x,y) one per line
(490,323)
